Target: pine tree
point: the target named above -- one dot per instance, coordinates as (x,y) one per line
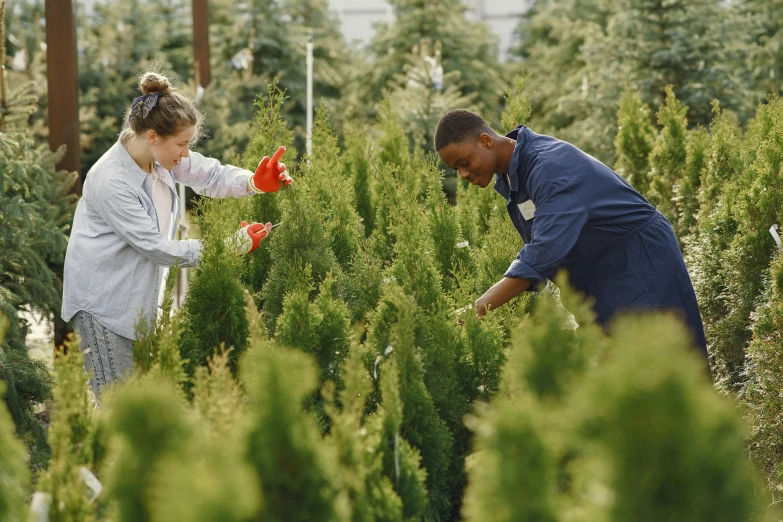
(16,476)
(468,47)
(634,141)
(764,34)
(420,95)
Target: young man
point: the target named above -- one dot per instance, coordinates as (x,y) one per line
(574,212)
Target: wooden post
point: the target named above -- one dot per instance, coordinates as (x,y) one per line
(63,84)
(201,42)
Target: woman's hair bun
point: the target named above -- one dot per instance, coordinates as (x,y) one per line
(154,83)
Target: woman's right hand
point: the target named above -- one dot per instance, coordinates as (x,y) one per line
(248,237)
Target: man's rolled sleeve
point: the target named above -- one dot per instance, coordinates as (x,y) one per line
(519,269)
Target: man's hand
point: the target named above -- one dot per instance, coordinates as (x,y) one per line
(500,293)
(248,237)
(270,174)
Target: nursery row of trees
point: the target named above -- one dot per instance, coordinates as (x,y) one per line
(327,376)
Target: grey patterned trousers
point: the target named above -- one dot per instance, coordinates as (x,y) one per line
(107,355)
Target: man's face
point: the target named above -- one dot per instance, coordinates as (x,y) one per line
(475,161)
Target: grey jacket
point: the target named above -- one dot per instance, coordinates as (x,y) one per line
(117,254)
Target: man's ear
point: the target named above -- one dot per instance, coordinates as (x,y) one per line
(485,140)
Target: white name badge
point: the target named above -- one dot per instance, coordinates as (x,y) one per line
(528,209)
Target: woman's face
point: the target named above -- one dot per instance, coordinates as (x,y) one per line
(170,150)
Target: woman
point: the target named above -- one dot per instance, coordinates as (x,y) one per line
(122,242)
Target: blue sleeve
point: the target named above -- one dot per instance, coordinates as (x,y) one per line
(559,218)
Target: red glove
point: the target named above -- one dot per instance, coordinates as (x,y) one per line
(249,237)
(270,174)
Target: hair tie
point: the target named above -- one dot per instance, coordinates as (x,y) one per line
(143,104)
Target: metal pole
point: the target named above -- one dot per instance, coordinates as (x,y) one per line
(310,95)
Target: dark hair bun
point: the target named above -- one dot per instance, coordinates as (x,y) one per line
(154,83)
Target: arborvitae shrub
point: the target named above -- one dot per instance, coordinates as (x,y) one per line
(765,379)
(670,448)
(325,174)
(157,345)
(686,200)
(213,483)
(444,227)
(301,250)
(320,329)
(215,305)
(357,444)
(395,326)
(356,165)
(15,475)
(512,475)
(725,162)
(270,132)
(297,474)
(147,426)
(634,141)
(667,158)
(754,203)
(70,436)
(402,462)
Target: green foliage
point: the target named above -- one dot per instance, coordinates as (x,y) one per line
(764,359)
(15,475)
(27,382)
(517,98)
(356,164)
(630,417)
(359,450)
(297,475)
(668,156)
(402,462)
(215,307)
(271,132)
(634,141)
(468,48)
(34,198)
(156,347)
(72,438)
(147,425)
(319,329)
(394,329)
(734,247)
(686,200)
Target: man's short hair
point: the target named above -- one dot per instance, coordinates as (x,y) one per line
(459,125)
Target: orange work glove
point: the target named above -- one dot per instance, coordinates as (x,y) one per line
(248,237)
(270,174)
